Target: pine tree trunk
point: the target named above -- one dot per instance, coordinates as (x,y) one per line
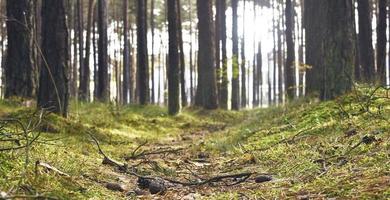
(80,28)
(126,54)
(174,70)
(330,47)
(224,69)
(206,95)
(192,70)
(243,62)
(142,54)
(381,42)
(235,64)
(19,75)
(218,14)
(74,78)
(84,84)
(53,82)
(182,61)
(365,41)
(259,86)
(290,65)
(103,78)
(152,54)
(95,53)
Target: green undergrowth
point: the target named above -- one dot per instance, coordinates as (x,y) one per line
(66,144)
(335,149)
(313,150)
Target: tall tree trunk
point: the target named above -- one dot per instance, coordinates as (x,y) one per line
(290,65)
(218,45)
(80,28)
(142,54)
(243,61)
(281,76)
(330,47)
(255,91)
(192,70)
(84,90)
(19,74)
(152,54)
(133,71)
(381,42)
(2,56)
(173,71)
(365,41)
(207,84)
(103,93)
(182,61)
(224,69)
(235,64)
(126,54)
(84,59)
(259,86)
(73,75)
(276,58)
(53,82)
(95,53)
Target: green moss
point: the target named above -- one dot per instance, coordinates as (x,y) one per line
(303,145)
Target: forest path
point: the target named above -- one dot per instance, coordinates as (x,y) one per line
(189,158)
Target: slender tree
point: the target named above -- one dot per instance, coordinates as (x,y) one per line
(53,82)
(206,95)
(142,53)
(381,42)
(126,54)
(152,27)
(173,71)
(235,64)
(218,45)
(80,36)
(259,75)
(365,41)
(223,96)
(182,60)
(191,53)
(103,79)
(19,74)
(243,61)
(84,58)
(290,65)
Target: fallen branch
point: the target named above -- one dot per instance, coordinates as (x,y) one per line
(48,167)
(155,152)
(240,177)
(107,160)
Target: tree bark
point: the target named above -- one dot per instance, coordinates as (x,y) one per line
(381,42)
(173,71)
(207,84)
(103,79)
(365,41)
(53,82)
(142,54)
(152,54)
(19,75)
(235,64)
(223,97)
(126,54)
(243,62)
(330,47)
(184,102)
(290,65)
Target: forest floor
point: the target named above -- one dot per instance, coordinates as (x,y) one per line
(305,150)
